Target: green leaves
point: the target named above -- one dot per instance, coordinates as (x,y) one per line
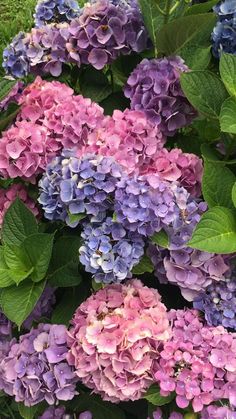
(30,412)
(98,408)
(228,72)
(228,116)
(95,85)
(201,8)
(5,87)
(234,194)
(152,16)
(185,31)
(145,265)
(161,238)
(205,92)
(18,302)
(154,397)
(216,231)
(5,274)
(38,247)
(217,185)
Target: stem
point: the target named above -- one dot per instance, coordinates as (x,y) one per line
(167,11)
(173,8)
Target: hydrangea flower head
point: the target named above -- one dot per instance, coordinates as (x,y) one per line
(15,61)
(154,87)
(110,252)
(224,33)
(55,11)
(217,412)
(115,337)
(53,413)
(35,369)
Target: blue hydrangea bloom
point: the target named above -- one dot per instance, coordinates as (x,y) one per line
(74,186)
(224,33)
(15,61)
(109,252)
(55,11)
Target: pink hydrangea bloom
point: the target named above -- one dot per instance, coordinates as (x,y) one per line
(7,196)
(198,362)
(218,412)
(116,337)
(129,137)
(176,165)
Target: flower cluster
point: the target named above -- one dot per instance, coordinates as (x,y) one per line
(36,369)
(7,196)
(219,303)
(217,412)
(115,338)
(15,61)
(198,362)
(55,11)
(43,307)
(109,252)
(154,87)
(59,413)
(224,33)
(73,186)
(158,414)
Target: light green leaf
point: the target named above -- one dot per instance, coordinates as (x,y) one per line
(228,116)
(161,238)
(145,265)
(6,85)
(18,302)
(30,412)
(5,276)
(234,194)
(228,72)
(38,248)
(185,31)
(205,92)
(201,8)
(16,258)
(196,57)
(216,231)
(74,218)
(217,185)
(154,397)
(152,16)
(19,222)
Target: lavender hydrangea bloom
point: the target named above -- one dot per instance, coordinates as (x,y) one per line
(15,60)
(109,252)
(74,186)
(53,413)
(55,11)
(105,30)
(43,307)
(219,303)
(154,87)
(36,369)
(144,204)
(224,33)
(5,327)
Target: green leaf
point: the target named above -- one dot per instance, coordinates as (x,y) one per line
(152,16)
(115,101)
(18,302)
(5,277)
(19,222)
(228,116)
(216,231)
(228,72)
(38,248)
(161,238)
(201,8)
(5,87)
(63,269)
(234,194)
(185,31)
(205,92)
(70,301)
(16,258)
(99,408)
(28,412)
(154,397)
(123,66)
(8,116)
(94,84)
(217,185)
(196,57)
(74,218)
(145,265)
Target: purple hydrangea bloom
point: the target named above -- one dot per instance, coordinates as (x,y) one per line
(35,369)
(224,33)
(53,413)
(154,87)
(55,11)
(106,30)
(109,252)
(15,60)
(5,327)
(85,415)
(79,185)
(144,204)
(219,303)
(43,307)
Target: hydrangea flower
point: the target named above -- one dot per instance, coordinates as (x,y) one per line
(218,303)
(43,307)
(217,412)
(15,61)
(115,337)
(106,30)
(75,186)
(36,369)
(53,413)
(224,33)
(154,87)
(129,137)
(157,414)
(55,11)
(13,96)
(109,252)
(5,328)
(8,196)
(198,362)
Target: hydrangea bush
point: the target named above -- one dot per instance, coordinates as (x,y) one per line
(118,212)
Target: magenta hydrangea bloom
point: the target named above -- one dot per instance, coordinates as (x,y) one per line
(35,369)
(115,338)
(157,414)
(129,137)
(198,362)
(7,196)
(154,87)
